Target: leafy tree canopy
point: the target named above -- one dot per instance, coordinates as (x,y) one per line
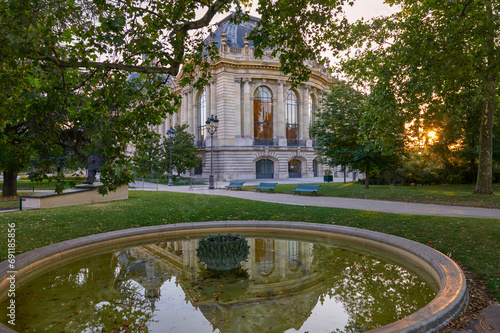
(340,130)
(426,54)
(66,66)
(153,155)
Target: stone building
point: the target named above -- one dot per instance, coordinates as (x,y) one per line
(263,122)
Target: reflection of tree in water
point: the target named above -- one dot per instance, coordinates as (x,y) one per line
(86,296)
(374,293)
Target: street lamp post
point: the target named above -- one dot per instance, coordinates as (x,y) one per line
(212,124)
(171,135)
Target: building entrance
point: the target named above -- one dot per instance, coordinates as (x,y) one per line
(264,169)
(294,169)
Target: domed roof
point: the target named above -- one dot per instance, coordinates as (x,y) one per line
(235,32)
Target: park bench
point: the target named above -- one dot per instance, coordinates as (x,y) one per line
(266,187)
(236,185)
(313,189)
(26,187)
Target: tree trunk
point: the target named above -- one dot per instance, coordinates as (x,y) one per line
(485,166)
(9,187)
(367,177)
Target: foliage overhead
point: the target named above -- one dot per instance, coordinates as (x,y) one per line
(107,69)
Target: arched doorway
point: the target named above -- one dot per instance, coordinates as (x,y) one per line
(264,169)
(294,169)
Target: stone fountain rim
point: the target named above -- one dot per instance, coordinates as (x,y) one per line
(451,299)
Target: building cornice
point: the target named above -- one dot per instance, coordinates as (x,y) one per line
(251,66)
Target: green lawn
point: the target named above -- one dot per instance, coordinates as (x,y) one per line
(474,242)
(456,195)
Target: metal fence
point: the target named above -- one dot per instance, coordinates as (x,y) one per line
(13,204)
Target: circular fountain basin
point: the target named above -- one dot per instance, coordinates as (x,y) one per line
(432,266)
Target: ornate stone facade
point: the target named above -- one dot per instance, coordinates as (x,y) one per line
(263,122)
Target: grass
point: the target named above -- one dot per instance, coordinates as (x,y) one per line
(473,242)
(456,195)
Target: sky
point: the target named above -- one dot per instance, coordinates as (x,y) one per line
(362,9)
(368,9)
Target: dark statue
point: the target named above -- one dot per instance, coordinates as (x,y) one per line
(96,161)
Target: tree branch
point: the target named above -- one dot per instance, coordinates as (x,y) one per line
(205,20)
(173,70)
(465,8)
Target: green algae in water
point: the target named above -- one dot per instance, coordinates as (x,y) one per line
(285,286)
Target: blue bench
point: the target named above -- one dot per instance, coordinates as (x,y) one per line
(266,187)
(313,189)
(236,185)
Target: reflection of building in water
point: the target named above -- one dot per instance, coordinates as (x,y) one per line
(144,271)
(276,288)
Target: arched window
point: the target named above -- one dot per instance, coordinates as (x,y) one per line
(201,118)
(292,118)
(264,169)
(263,116)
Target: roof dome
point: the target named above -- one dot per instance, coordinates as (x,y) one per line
(235,32)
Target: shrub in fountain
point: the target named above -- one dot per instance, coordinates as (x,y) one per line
(223,252)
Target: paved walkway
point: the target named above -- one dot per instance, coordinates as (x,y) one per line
(486,321)
(334,202)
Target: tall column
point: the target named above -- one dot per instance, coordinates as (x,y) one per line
(175,116)
(163,129)
(306,120)
(168,123)
(184,106)
(280,116)
(213,98)
(247,109)
(237,108)
(208,99)
(189,98)
(191,115)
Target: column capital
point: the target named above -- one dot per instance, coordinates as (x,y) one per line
(247,80)
(238,80)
